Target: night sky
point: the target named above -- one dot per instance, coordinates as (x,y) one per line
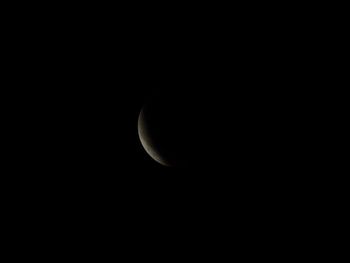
(89,92)
(77,92)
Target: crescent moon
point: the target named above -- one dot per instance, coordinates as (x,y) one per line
(147,141)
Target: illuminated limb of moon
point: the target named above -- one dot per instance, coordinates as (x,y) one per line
(147,141)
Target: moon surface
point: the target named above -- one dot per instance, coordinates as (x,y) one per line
(148,142)
(169,129)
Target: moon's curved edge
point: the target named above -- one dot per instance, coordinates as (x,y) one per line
(147,142)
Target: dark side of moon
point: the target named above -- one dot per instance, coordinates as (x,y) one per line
(166,130)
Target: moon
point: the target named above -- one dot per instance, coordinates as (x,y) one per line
(148,142)
(168,128)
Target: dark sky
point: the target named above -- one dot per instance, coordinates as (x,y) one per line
(83,82)
(77,168)
(88,94)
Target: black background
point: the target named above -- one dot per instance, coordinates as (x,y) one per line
(77,88)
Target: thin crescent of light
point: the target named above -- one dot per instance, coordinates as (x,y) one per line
(147,143)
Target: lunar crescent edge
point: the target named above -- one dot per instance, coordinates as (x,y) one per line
(147,141)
